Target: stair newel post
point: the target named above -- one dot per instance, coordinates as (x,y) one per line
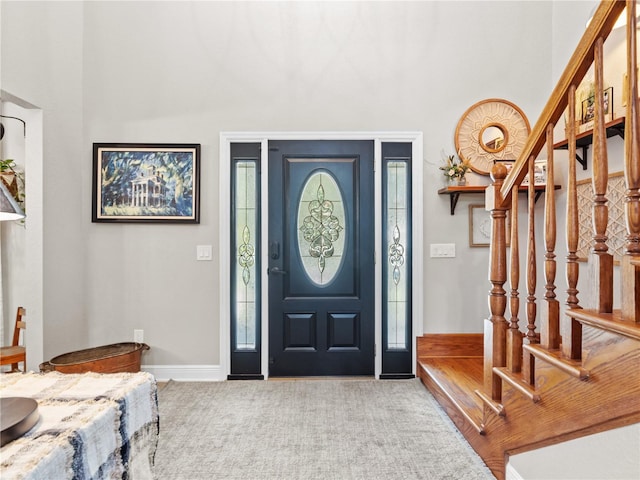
(600,261)
(528,370)
(550,322)
(496,326)
(630,268)
(514,336)
(572,334)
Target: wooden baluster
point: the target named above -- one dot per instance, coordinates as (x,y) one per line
(572,335)
(514,336)
(630,271)
(600,261)
(531,259)
(572,207)
(550,324)
(528,370)
(496,326)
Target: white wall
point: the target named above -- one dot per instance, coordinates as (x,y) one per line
(184,71)
(42,64)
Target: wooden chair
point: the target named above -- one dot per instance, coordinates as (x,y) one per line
(15,353)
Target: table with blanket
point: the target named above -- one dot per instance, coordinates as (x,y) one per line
(91,426)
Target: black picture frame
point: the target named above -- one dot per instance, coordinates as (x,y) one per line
(588,107)
(146,183)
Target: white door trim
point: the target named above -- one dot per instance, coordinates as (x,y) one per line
(226,139)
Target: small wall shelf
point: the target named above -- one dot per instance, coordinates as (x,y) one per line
(584,139)
(454,192)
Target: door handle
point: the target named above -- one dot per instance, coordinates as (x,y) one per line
(276,271)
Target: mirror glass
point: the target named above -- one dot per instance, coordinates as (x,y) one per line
(493,137)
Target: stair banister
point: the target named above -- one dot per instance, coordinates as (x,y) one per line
(498,200)
(600,26)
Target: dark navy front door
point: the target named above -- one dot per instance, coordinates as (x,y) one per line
(321,258)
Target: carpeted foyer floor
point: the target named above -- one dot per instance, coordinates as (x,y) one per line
(309,429)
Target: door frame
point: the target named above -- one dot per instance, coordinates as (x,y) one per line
(417,220)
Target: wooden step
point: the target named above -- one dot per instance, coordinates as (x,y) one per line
(453,381)
(611,322)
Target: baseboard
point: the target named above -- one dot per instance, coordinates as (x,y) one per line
(511,473)
(185,373)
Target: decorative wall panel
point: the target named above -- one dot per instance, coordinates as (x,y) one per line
(616,229)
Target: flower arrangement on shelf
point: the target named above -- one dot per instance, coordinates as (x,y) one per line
(455,168)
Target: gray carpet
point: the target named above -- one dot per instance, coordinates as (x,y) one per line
(307,430)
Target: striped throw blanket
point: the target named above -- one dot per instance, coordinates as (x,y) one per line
(92,426)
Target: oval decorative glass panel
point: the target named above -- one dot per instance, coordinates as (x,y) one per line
(321,220)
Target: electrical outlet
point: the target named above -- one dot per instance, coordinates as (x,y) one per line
(138,336)
(443,250)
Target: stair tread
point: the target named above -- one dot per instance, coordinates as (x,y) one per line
(607,321)
(460,378)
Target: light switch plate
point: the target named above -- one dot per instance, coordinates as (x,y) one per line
(443,250)
(204,252)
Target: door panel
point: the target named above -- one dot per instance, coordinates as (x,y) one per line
(321,258)
(299,331)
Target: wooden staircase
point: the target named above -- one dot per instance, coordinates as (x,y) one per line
(570,371)
(559,407)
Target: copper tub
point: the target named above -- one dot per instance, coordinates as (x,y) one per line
(114,358)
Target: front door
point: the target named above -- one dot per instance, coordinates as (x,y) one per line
(321,258)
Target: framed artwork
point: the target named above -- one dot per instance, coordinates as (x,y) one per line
(588,110)
(616,226)
(539,173)
(146,183)
(480,226)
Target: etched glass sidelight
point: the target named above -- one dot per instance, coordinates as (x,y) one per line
(245,232)
(396,234)
(321,233)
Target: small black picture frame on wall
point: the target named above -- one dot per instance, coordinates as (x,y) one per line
(146,183)
(588,108)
